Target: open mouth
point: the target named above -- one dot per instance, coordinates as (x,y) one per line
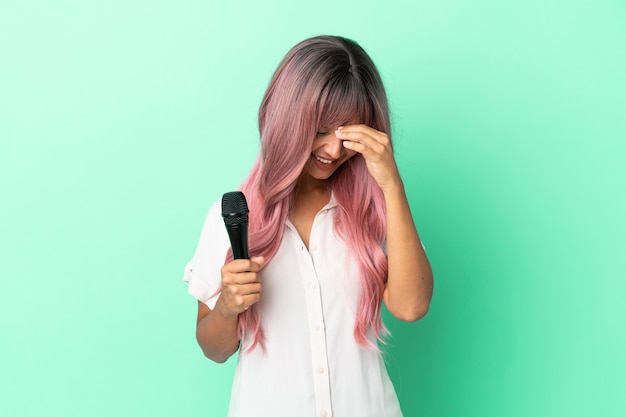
(322,160)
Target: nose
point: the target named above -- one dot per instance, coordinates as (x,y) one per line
(333,146)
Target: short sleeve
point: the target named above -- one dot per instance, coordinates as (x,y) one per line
(203,271)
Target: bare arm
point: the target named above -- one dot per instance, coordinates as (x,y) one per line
(410,279)
(216,333)
(216,330)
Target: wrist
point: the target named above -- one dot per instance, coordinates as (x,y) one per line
(223,311)
(394,189)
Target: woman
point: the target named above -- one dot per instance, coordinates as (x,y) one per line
(331,237)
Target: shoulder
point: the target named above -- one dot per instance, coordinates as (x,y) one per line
(213,218)
(215,211)
(214,238)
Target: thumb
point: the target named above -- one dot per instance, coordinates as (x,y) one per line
(258,259)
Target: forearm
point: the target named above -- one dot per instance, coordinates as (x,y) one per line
(410,279)
(216,333)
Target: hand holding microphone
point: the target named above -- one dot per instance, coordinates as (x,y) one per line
(241,284)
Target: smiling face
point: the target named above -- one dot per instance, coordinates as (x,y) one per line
(327,154)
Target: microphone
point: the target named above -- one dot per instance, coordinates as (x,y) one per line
(235,213)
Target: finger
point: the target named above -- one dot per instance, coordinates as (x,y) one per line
(240,278)
(248,300)
(259,260)
(243,265)
(243,302)
(371,150)
(378,146)
(362,133)
(253,264)
(357,147)
(245,289)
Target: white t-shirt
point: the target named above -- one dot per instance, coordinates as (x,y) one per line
(312,365)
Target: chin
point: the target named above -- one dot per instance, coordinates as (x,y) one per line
(321,176)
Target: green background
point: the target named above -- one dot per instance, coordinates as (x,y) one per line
(122,121)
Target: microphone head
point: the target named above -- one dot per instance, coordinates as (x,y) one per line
(234,208)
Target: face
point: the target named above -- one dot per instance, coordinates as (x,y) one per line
(327,154)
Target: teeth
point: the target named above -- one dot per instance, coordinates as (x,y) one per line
(326,161)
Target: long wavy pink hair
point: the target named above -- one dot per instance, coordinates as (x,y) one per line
(322,82)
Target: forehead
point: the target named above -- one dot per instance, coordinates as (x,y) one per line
(339,111)
(344,98)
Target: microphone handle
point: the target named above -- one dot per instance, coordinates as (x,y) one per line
(238,234)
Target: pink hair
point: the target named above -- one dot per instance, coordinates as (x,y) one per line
(322,82)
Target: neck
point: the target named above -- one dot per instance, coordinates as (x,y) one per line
(307,185)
